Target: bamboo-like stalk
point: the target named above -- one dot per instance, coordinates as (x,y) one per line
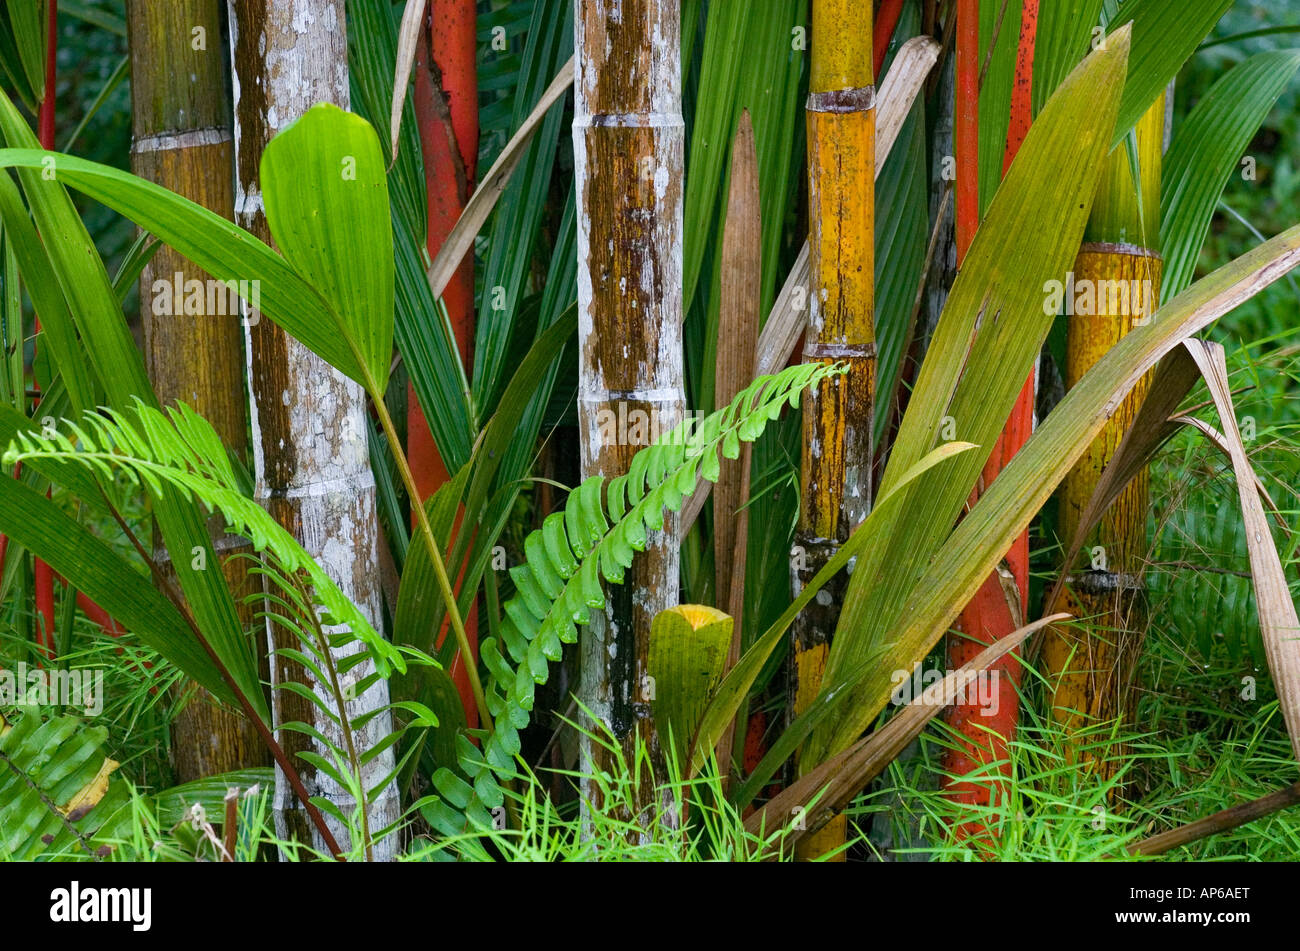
(628,162)
(182,140)
(965,124)
(446,109)
(1091,666)
(886,22)
(308,421)
(835,470)
(1001,604)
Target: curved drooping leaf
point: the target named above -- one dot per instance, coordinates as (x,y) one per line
(988,338)
(973,549)
(326,198)
(57,329)
(1205,152)
(1165,34)
(731,692)
(23,44)
(835,783)
(1064,30)
(1279,625)
(39,525)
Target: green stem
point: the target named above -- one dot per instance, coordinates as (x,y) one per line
(439,569)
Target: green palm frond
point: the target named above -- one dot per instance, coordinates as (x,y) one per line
(180,451)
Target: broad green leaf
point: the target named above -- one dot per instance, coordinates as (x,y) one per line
(1008,506)
(28,33)
(108,343)
(178,454)
(990,334)
(57,789)
(58,332)
(421,331)
(326,197)
(736,685)
(219,247)
(1065,29)
(1165,34)
(38,524)
(997,75)
(1205,152)
(688,653)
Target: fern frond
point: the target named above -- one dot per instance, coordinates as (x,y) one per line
(333,679)
(180,450)
(602,526)
(57,794)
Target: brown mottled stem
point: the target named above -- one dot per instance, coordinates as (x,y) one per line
(230,832)
(628,162)
(180,100)
(311,460)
